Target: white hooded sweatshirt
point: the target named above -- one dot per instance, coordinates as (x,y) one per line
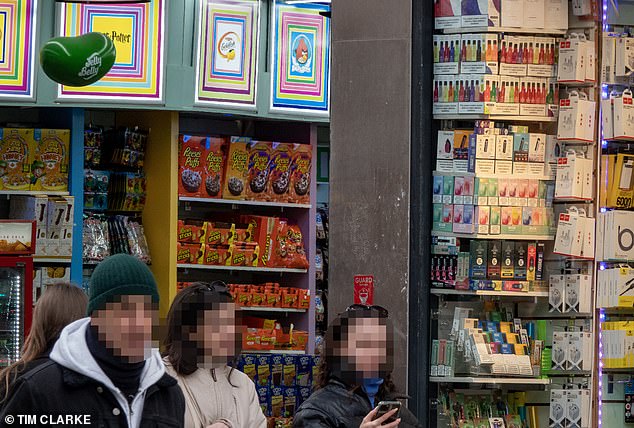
(71,351)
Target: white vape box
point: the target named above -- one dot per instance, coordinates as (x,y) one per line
(485,147)
(485,167)
(537,147)
(447,48)
(624,115)
(503,167)
(534,13)
(512,13)
(556,14)
(572,59)
(576,118)
(504,147)
(447,14)
(559,350)
(480,13)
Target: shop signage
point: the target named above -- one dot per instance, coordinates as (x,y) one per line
(17,48)
(300,64)
(227,52)
(137,33)
(364,289)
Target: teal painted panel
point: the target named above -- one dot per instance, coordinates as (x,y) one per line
(180,66)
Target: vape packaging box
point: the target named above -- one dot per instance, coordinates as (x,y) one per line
(542,53)
(468,190)
(437,189)
(508,264)
(447,14)
(503,167)
(559,350)
(558,406)
(512,13)
(504,148)
(479,54)
(446,54)
(520,147)
(494,222)
(624,115)
(539,270)
(445,94)
(480,13)
(556,14)
(537,147)
(480,191)
(483,214)
(458,188)
(534,13)
(519,259)
(434,357)
(485,147)
(485,167)
(478,260)
(448,189)
(576,118)
(492,195)
(444,152)
(557,293)
(531,262)
(572,59)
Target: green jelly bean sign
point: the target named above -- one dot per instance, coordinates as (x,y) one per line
(78,61)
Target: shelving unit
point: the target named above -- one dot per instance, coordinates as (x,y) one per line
(517,294)
(242,268)
(276,351)
(494,117)
(512,30)
(243,203)
(501,236)
(517,381)
(264,309)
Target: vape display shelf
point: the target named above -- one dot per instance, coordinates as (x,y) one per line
(518,294)
(499,237)
(494,117)
(490,380)
(512,30)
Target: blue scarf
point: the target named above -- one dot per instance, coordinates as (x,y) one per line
(371,387)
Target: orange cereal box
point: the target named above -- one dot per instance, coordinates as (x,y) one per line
(191,165)
(280,172)
(214,164)
(16,155)
(49,170)
(300,174)
(237,169)
(259,164)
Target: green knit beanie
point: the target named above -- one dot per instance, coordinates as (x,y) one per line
(120,275)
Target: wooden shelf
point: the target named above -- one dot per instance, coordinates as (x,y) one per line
(516,30)
(501,237)
(32,193)
(490,380)
(266,309)
(494,117)
(241,268)
(453,292)
(243,203)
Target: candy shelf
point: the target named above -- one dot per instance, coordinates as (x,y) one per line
(243,203)
(242,268)
(29,193)
(265,309)
(275,351)
(494,117)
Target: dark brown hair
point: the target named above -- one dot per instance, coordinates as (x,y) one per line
(331,362)
(60,305)
(184,317)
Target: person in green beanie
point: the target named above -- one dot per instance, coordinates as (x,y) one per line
(104,367)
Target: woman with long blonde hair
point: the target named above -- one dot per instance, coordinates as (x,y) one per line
(60,305)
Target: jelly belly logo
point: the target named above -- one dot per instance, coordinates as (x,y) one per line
(228,45)
(91,67)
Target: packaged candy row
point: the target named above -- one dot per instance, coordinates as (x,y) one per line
(104,236)
(268,335)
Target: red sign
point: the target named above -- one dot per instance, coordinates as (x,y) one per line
(364,289)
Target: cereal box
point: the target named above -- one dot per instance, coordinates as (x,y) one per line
(237,169)
(264,370)
(49,170)
(191,167)
(215,158)
(300,174)
(16,155)
(259,164)
(280,172)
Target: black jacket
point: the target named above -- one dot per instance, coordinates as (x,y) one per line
(334,406)
(52,389)
(16,375)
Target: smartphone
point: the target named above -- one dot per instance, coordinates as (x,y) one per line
(386,407)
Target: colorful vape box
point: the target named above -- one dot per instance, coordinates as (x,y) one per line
(494,260)
(478,259)
(520,258)
(507,270)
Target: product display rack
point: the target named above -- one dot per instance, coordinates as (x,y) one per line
(534,304)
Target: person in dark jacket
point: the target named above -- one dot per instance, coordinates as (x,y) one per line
(355,375)
(103,369)
(60,305)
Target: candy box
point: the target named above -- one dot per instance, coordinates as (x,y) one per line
(16,156)
(304,393)
(189,253)
(217,233)
(263,231)
(263,364)
(247,365)
(237,169)
(49,170)
(290,401)
(245,255)
(277,369)
(217,255)
(259,168)
(264,397)
(191,232)
(215,157)
(277,401)
(303,299)
(301,174)
(289,370)
(304,370)
(191,167)
(280,172)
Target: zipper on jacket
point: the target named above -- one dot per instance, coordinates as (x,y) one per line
(213,375)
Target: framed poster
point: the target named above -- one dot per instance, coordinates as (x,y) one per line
(226,66)
(137,30)
(17,48)
(300,63)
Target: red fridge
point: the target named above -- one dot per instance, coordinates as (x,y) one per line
(17,246)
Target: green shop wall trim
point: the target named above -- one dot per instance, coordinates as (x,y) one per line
(180,66)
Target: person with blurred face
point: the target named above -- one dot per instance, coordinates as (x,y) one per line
(104,367)
(201,338)
(355,375)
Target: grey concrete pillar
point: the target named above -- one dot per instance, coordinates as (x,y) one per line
(370,158)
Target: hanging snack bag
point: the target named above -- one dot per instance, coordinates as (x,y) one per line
(191,168)
(259,164)
(16,155)
(49,170)
(214,163)
(289,247)
(280,172)
(93,139)
(300,174)
(237,169)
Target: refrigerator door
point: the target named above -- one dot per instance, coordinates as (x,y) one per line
(15,308)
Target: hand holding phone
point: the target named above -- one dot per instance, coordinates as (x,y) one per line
(386,414)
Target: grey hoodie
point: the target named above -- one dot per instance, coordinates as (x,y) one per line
(71,351)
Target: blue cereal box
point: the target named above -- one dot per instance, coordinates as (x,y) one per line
(247,365)
(290,370)
(290,401)
(304,369)
(264,370)
(304,393)
(277,369)
(277,401)
(264,397)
